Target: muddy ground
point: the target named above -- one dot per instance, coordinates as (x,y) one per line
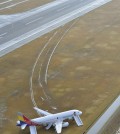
(22,7)
(78,69)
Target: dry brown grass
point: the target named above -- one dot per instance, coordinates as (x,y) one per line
(83,74)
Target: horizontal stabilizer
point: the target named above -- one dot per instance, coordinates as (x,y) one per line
(23,126)
(33,130)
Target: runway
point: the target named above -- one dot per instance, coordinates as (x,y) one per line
(19,6)
(101,122)
(28,26)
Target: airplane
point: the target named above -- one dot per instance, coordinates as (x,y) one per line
(48,120)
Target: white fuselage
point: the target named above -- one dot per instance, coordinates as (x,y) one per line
(52,118)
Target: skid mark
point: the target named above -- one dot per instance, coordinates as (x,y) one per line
(56,47)
(43,80)
(43,72)
(34,66)
(5,2)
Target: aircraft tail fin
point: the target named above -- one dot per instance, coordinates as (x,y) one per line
(23,118)
(23,121)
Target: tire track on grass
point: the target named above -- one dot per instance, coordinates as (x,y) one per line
(43,72)
(33,69)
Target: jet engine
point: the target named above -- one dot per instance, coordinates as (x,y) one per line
(18,123)
(65,124)
(70,118)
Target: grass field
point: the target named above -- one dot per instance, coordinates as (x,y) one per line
(83,72)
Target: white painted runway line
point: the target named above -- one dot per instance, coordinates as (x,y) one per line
(1,35)
(47,27)
(33,21)
(62,8)
(13,5)
(5,2)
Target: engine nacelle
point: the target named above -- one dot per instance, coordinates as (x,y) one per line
(70,118)
(18,123)
(65,124)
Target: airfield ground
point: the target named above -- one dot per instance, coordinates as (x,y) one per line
(84,72)
(113,125)
(21,6)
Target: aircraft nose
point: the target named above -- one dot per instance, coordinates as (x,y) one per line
(80,112)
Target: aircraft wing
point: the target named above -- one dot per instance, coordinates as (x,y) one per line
(58,126)
(23,126)
(33,130)
(42,112)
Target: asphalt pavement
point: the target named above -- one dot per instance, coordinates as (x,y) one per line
(101,122)
(25,29)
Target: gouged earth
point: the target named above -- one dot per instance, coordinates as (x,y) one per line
(84,72)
